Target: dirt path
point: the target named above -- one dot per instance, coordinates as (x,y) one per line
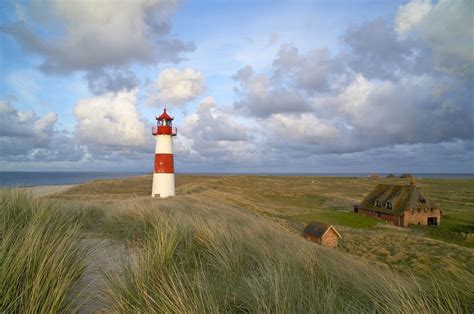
(105,258)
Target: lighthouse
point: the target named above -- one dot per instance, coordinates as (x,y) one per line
(163,176)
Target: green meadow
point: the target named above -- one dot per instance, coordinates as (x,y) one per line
(231,244)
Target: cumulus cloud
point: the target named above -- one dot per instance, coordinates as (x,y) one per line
(394,92)
(416,109)
(22,131)
(298,136)
(258,97)
(115,80)
(313,71)
(90,35)
(102,38)
(178,87)
(110,120)
(374,50)
(306,128)
(25,136)
(211,135)
(425,38)
(444,29)
(410,14)
(381,90)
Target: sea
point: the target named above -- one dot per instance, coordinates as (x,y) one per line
(20,178)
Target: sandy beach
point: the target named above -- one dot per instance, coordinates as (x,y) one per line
(43,190)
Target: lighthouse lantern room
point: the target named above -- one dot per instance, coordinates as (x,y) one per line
(163,176)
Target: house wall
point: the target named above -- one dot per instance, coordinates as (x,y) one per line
(415,217)
(312,238)
(330,239)
(396,220)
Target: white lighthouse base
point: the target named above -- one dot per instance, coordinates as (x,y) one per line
(163,185)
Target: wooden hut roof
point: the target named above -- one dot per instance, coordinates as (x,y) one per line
(319,229)
(401,197)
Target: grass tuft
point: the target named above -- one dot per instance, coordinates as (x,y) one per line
(41,255)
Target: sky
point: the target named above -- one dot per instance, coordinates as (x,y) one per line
(254,86)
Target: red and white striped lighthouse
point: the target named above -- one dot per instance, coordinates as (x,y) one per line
(163,176)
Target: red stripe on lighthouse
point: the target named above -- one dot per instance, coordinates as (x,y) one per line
(164,163)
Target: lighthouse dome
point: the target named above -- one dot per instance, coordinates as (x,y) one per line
(164,116)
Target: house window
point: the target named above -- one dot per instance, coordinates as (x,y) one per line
(388,205)
(422,201)
(431,209)
(378,204)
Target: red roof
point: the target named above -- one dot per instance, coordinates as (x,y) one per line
(165,116)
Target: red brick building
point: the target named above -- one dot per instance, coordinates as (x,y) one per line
(401,205)
(323,234)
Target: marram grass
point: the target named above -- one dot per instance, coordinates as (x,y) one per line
(40,256)
(195,259)
(187,256)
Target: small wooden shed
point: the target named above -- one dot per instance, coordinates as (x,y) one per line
(322,233)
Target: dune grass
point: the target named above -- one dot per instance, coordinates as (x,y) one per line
(193,258)
(40,255)
(292,201)
(292,197)
(219,248)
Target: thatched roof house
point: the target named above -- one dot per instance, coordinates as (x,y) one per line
(401,205)
(322,233)
(374,176)
(407,176)
(390,175)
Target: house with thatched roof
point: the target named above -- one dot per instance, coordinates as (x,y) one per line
(321,233)
(374,176)
(401,205)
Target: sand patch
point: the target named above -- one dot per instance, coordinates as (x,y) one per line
(43,190)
